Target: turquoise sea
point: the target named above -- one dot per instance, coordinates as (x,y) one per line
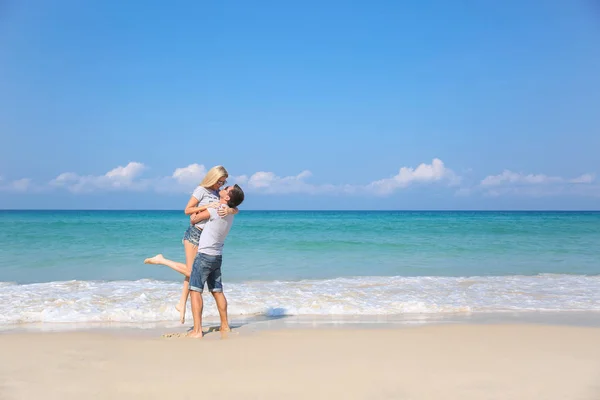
(87,266)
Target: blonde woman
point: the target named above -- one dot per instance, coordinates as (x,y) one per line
(206,195)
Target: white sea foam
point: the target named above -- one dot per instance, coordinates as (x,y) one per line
(153,301)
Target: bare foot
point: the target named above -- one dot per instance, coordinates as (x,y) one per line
(157,259)
(181,309)
(195,335)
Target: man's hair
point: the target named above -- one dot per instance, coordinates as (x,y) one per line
(236,196)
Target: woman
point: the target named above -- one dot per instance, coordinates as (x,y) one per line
(206,195)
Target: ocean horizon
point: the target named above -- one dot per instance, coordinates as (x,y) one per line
(318,210)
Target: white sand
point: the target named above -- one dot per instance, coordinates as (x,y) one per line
(464,362)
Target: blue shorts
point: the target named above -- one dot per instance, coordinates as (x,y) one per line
(192,235)
(206,270)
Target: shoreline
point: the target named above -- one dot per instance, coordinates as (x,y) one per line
(451,362)
(258,323)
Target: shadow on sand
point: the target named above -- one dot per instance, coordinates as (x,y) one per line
(273,314)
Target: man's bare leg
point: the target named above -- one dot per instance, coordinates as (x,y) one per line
(222,307)
(174,265)
(197,305)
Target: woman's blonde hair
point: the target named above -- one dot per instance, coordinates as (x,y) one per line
(213,175)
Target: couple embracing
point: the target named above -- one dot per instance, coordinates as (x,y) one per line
(211,209)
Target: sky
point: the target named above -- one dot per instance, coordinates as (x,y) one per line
(417,104)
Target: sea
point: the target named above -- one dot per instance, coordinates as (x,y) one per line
(86,267)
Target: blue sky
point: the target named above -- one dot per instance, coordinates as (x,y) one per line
(309,105)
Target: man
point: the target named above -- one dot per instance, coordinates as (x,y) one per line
(207,264)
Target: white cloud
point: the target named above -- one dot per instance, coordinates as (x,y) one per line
(263,179)
(21,185)
(184,180)
(240,180)
(585,178)
(268,182)
(120,178)
(190,175)
(128,178)
(424,173)
(16,186)
(508,177)
(126,173)
(537,185)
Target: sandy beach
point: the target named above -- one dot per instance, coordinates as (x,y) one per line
(430,362)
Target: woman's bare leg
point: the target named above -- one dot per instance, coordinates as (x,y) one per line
(174,265)
(184,269)
(190,255)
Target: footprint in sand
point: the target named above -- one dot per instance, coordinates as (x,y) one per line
(174,335)
(177,335)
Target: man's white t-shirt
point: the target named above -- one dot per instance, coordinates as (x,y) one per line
(214,233)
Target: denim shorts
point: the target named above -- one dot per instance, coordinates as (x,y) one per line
(206,270)
(192,235)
